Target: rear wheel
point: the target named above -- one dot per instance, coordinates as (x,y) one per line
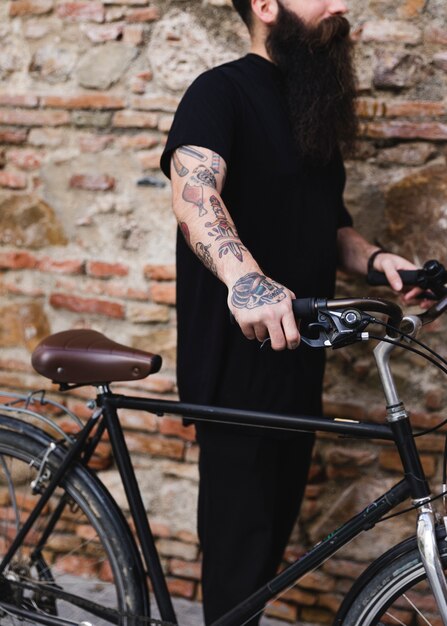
(397,594)
(89,562)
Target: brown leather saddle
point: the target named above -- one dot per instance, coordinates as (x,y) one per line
(87,357)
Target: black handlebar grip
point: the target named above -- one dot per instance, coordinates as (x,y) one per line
(304,308)
(409,277)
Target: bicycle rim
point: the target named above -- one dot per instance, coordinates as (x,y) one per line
(398,595)
(88,561)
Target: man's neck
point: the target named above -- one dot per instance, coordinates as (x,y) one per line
(260,51)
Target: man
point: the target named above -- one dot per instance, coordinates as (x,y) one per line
(257,182)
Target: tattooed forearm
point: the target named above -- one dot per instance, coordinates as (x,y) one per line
(192,152)
(194,195)
(204,255)
(254,289)
(225,232)
(203,175)
(185,232)
(179,167)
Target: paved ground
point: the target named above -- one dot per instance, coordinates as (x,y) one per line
(190,614)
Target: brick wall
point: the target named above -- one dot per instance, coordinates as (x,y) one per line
(87,94)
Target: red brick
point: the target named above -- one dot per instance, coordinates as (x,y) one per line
(137,85)
(87,11)
(182,588)
(132,2)
(163,293)
(13,180)
(434,34)
(133,119)
(18,100)
(137,420)
(25,159)
(167,104)
(113,289)
(21,117)
(156,446)
(415,108)
(434,399)
(16,287)
(96,100)
(390,460)
(92,143)
(185,569)
(13,136)
(98,33)
(173,426)
(92,182)
(165,123)
(17,260)
(79,565)
(150,14)
(281,610)
(100,269)
(150,159)
(138,142)
(17,8)
(405,130)
(67,266)
(369,107)
(87,305)
(133,34)
(344,410)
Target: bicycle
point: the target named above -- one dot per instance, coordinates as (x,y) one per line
(50,496)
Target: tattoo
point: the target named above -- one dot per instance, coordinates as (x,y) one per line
(192,152)
(254,289)
(194,195)
(179,167)
(223,229)
(215,164)
(203,175)
(202,252)
(185,232)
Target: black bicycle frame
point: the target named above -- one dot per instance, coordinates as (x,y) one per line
(414,485)
(399,432)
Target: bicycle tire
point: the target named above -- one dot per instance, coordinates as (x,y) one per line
(394,590)
(90,559)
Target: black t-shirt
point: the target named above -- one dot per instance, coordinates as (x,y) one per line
(287,213)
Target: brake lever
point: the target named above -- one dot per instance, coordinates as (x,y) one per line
(337,329)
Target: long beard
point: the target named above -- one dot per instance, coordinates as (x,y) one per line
(316,64)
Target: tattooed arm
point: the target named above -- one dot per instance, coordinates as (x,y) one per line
(261,306)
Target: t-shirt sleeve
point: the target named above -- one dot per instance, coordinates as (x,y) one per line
(205,118)
(344,217)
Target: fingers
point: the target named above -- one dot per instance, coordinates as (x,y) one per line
(391,274)
(275,322)
(282,330)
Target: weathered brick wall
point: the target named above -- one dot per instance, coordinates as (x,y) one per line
(87,94)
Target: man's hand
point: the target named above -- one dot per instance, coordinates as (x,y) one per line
(389,264)
(263,308)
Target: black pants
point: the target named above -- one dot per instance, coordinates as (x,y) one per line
(251,487)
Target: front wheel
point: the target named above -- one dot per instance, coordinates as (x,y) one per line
(394,591)
(88,562)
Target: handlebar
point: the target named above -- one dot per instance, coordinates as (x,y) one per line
(432,277)
(341,321)
(307,309)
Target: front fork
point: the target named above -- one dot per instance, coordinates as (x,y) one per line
(404,438)
(428,548)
